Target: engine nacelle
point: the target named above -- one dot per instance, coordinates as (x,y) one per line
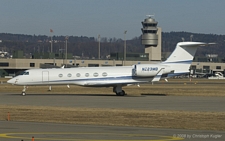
(144,70)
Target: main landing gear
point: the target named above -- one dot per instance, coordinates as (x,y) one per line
(118,90)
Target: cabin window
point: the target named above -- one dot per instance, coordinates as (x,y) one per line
(104,74)
(86,74)
(69,74)
(95,74)
(78,75)
(60,75)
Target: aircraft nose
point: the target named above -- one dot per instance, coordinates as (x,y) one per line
(11,81)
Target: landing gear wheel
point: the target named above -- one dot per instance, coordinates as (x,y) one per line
(24,90)
(121,93)
(118,90)
(23,93)
(118,94)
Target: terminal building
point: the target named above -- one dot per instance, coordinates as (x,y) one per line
(11,67)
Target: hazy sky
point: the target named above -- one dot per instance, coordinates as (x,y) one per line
(109,18)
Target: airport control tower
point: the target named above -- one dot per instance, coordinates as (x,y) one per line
(151,38)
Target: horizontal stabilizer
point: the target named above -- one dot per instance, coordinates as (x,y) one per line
(158,76)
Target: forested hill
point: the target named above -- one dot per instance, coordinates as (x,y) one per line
(88,46)
(170,39)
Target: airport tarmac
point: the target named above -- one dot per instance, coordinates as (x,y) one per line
(145,102)
(12,130)
(17,131)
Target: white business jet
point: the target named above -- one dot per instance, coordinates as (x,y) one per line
(178,63)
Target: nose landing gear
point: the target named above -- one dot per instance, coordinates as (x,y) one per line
(24,91)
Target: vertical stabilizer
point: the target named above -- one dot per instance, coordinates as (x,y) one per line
(184,51)
(182,57)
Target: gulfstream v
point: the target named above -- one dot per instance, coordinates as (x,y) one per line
(177,63)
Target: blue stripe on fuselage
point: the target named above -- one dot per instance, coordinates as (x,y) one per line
(104,79)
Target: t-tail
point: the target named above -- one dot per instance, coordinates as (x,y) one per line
(182,57)
(178,63)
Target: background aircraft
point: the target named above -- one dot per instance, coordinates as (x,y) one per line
(177,63)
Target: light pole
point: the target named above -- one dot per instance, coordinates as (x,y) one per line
(66,38)
(191,37)
(51,44)
(99,47)
(51,31)
(124,57)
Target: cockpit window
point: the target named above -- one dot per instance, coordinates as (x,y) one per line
(26,73)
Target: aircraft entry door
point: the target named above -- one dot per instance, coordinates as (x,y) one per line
(45,77)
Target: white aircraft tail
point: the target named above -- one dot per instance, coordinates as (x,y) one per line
(182,57)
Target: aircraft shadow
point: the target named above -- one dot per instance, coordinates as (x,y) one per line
(148,94)
(103,95)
